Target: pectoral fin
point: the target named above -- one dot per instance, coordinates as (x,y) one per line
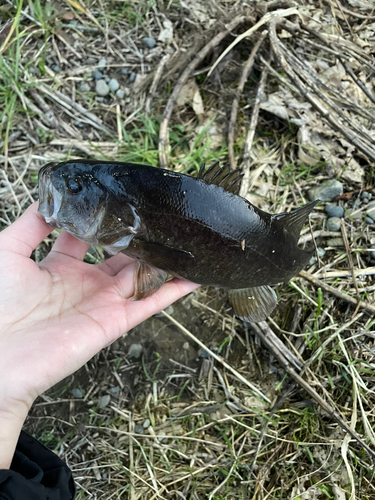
(147,280)
(253,304)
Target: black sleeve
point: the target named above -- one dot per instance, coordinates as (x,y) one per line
(36,474)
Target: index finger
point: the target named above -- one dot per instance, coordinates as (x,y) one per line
(24,235)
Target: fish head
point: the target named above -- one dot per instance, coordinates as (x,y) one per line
(71,197)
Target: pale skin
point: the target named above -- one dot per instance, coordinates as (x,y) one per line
(56,315)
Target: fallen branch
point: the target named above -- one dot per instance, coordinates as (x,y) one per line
(233,116)
(163,132)
(245,167)
(368,308)
(262,329)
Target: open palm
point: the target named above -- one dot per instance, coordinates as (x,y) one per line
(56,315)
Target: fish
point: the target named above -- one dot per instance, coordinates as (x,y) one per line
(172,224)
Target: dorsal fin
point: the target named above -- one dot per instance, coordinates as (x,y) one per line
(292,222)
(221,176)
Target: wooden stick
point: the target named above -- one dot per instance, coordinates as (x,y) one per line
(250,135)
(233,116)
(261,330)
(215,356)
(163,132)
(368,308)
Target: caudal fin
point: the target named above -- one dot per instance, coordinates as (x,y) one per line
(253,304)
(292,222)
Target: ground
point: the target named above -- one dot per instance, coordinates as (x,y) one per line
(156,415)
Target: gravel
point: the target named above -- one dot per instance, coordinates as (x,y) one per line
(113,84)
(77,393)
(132,76)
(368,220)
(84,87)
(138,429)
(333,224)
(120,93)
(104,401)
(149,42)
(135,351)
(334,211)
(101,88)
(55,68)
(124,71)
(98,75)
(102,63)
(326,191)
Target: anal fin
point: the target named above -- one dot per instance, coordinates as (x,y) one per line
(147,280)
(253,304)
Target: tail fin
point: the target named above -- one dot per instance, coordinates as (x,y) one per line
(292,222)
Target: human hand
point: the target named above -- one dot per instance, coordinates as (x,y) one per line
(56,315)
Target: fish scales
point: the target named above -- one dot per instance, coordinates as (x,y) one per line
(173,223)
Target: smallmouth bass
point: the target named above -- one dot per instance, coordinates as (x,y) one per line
(194,228)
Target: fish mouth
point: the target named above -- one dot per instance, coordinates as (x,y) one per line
(49,197)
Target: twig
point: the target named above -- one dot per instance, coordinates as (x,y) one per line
(233,116)
(265,19)
(350,260)
(318,104)
(261,328)
(155,83)
(368,308)
(215,356)
(245,167)
(163,133)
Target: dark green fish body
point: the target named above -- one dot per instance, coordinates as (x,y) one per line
(195,228)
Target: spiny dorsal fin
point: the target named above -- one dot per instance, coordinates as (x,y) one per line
(292,222)
(221,176)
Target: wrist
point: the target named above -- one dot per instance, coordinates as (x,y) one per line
(12,419)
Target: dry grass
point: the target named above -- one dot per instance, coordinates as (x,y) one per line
(206,434)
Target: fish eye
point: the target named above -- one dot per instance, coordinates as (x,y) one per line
(74,186)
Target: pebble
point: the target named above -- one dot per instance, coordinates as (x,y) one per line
(149,42)
(146,423)
(101,88)
(84,87)
(113,84)
(98,75)
(90,61)
(138,429)
(124,71)
(321,252)
(100,99)
(364,195)
(102,63)
(127,100)
(104,401)
(77,393)
(186,346)
(326,191)
(368,220)
(372,253)
(335,242)
(356,204)
(169,310)
(135,351)
(202,353)
(333,224)
(132,76)
(114,390)
(55,68)
(106,78)
(334,211)
(120,93)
